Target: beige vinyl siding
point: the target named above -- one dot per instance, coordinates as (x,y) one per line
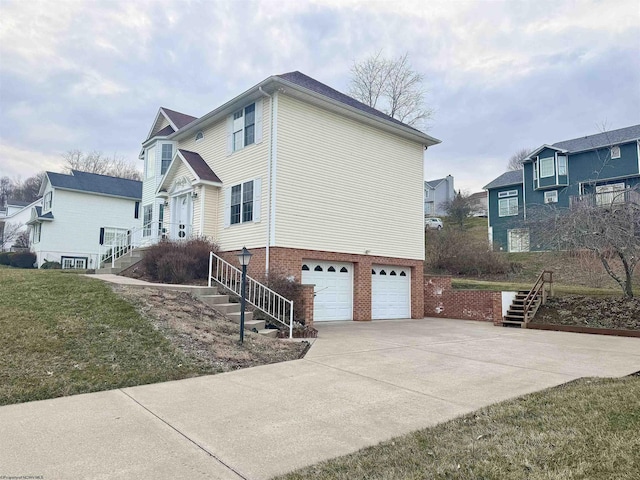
(241,166)
(160,124)
(197,212)
(346,187)
(182,171)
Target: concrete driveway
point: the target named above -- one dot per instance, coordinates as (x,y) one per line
(360,383)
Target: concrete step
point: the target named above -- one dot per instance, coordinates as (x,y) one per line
(253,325)
(514,318)
(214,300)
(269,332)
(235,316)
(227,308)
(203,291)
(511,323)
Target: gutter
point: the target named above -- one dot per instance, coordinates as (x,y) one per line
(269,167)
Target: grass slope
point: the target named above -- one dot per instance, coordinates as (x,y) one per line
(62,334)
(587,429)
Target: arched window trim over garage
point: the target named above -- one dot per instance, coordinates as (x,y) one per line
(331,269)
(344,270)
(305,268)
(402,274)
(318,268)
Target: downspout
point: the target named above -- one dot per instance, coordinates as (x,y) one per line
(269,166)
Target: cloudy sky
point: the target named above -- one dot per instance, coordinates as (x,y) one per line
(500,76)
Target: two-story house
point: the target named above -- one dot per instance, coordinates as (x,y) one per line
(436,194)
(80,214)
(601,169)
(314,183)
(13,221)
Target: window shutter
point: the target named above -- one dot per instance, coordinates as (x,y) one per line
(136,210)
(258,124)
(257,199)
(102,236)
(230,134)
(227,207)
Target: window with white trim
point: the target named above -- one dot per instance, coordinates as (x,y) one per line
(199,136)
(535,171)
(546,167)
(551,196)
(244,127)
(147,217)
(167,155)
(242,202)
(615,152)
(114,236)
(562,165)
(74,262)
(150,164)
(508,207)
(508,193)
(48,202)
(37,232)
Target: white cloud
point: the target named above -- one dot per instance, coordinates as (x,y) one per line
(23,163)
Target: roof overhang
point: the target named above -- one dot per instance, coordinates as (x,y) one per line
(178,159)
(539,149)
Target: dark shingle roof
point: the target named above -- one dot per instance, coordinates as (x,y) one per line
(47,215)
(614,137)
(168,130)
(178,119)
(513,177)
(94,183)
(311,84)
(434,183)
(199,166)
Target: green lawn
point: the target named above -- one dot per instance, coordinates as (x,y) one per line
(465,283)
(62,334)
(587,429)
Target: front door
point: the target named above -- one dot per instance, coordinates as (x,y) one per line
(181,217)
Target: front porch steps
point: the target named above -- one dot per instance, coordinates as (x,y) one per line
(515,313)
(123,262)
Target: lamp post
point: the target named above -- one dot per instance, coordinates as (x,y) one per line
(243,257)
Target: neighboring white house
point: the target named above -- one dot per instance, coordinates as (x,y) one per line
(79,213)
(13,221)
(316,184)
(436,194)
(479,204)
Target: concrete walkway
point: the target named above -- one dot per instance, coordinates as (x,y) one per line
(359,384)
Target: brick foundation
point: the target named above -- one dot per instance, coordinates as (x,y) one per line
(288,261)
(442,301)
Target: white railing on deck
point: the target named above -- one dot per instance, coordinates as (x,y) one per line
(257,294)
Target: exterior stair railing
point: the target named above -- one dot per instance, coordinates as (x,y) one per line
(260,296)
(538,291)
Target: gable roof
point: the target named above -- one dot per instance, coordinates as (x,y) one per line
(604,139)
(310,90)
(434,183)
(166,131)
(513,177)
(94,183)
(199,166)
(178,119)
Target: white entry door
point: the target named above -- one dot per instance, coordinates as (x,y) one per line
(333,289)
(390,292)
(181,217)
(518,239)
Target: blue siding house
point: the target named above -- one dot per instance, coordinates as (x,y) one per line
(599,169)
(436,194)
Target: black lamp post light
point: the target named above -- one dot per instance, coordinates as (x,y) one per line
(244,257)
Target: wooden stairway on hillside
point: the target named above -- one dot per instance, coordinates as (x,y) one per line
(526,303)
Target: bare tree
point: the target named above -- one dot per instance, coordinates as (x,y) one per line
(6,187)
(20,190)
(459,208)
(96,162)
(9,232)
(606,224)
(515,161)
(391,86)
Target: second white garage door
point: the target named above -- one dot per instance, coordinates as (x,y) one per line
(390,292)
(333,289)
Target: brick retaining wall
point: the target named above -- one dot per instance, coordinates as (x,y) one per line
(442,301)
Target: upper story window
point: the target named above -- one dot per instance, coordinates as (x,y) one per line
(562,165)
(244,124)
(150,162)
(615,152)
(37,232)
(508,207)
(426,193)
(508,193)
(199,136)
(546,167)
(535,171)
(167,155)
(48,201)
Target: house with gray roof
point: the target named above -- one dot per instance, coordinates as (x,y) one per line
(436,194)
(317,185)
(601,169)
(78,215)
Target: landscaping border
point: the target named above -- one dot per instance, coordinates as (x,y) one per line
(578,329)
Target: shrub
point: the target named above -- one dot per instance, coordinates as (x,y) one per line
(23,259)
(166,261)
(459,253)
(284,285)
(5,258)
(50,265)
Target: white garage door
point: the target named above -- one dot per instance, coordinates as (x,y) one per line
(390,292)
(333,289)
